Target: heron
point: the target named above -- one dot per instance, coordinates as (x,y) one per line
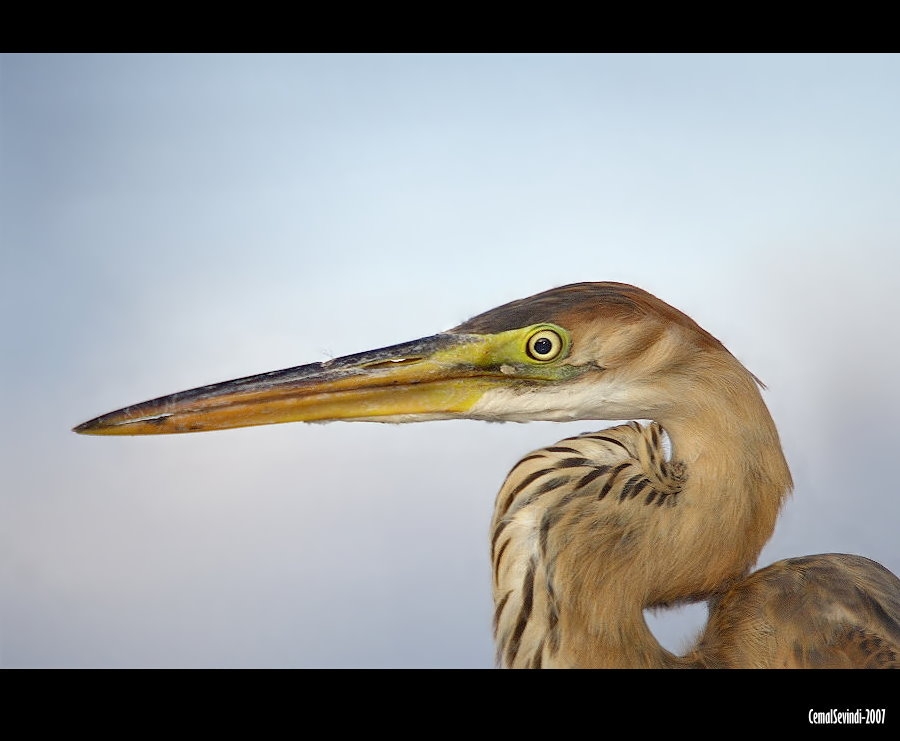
(671,508)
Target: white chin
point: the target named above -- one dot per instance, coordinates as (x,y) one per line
(562,404)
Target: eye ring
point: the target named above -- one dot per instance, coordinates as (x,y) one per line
(545,345)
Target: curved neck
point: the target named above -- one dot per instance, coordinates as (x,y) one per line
(737,480)
(644,532)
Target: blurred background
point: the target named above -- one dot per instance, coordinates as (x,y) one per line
(171,221)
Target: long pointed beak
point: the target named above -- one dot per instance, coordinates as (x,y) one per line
(436,377)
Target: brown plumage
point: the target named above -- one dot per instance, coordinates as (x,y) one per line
(591,531)
(588,532)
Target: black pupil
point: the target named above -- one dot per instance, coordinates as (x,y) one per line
(543,346)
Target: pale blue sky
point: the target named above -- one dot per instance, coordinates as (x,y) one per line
(170,221)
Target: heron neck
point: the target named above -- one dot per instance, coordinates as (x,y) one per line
(590,532)
(736,481)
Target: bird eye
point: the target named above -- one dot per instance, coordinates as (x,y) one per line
(544,345)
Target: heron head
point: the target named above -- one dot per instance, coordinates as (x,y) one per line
(583,351)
